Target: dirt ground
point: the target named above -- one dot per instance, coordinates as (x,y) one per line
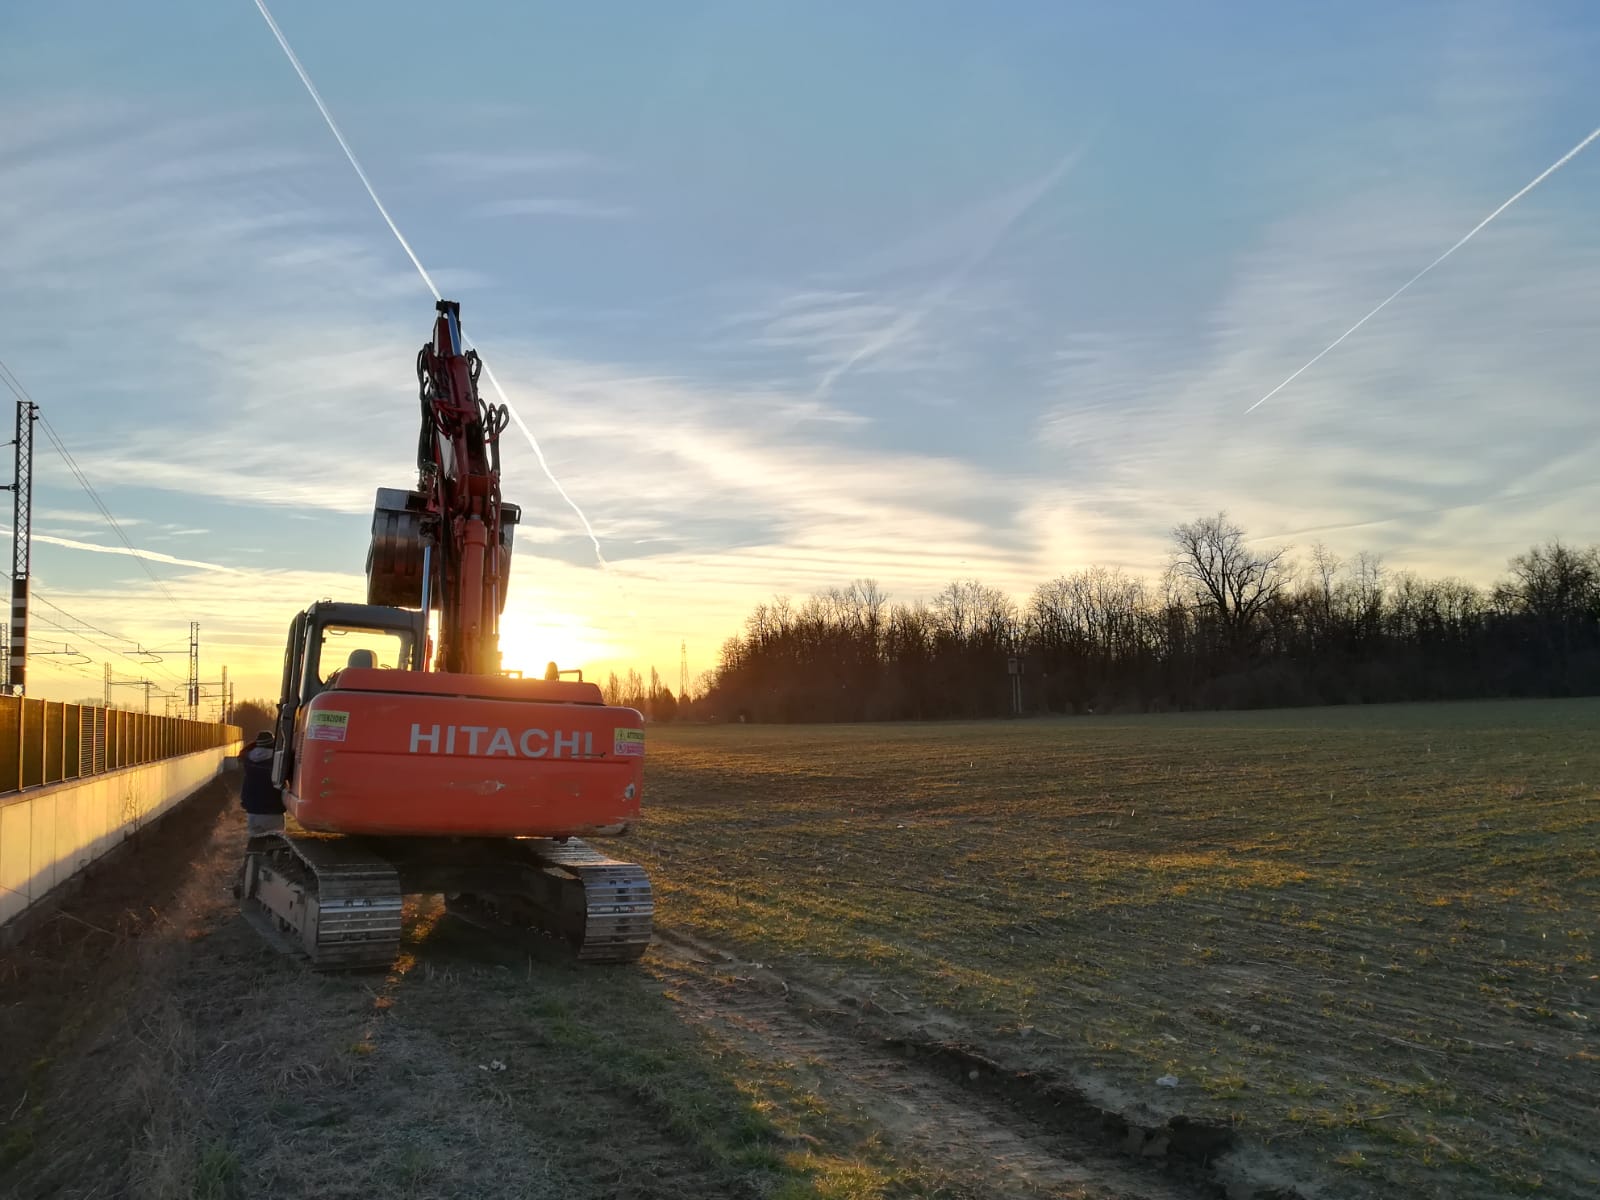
(157,1049)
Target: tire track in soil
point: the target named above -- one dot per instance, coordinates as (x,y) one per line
(977,1136)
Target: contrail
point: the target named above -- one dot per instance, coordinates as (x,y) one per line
(1021,203)
(129,551)
(1471,233)
(333,127)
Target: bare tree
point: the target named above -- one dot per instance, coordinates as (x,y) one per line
(253,716)
(1211,562)
(1325,568)
(970,613)
(1556,582)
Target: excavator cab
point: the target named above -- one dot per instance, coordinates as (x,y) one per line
(331,636)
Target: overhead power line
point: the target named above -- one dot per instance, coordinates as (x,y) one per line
(139,657)
(9,378)
(80,628)
(83,480)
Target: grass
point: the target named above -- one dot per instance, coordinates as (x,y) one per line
(607,1058)
(1366,935)
(204,1065)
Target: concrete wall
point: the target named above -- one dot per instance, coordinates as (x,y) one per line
(49,834)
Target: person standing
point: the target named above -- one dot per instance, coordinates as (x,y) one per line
(261,799)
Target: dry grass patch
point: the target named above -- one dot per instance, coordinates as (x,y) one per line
(194,1061)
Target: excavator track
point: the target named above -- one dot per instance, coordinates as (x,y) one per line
(604,908)
(327,899)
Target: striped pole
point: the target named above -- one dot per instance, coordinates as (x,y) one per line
(21,544)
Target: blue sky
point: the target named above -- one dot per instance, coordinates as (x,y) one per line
(794,293)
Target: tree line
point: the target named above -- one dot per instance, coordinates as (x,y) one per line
(654,699)
(1226,625)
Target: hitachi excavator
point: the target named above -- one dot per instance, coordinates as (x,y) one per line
(420,768)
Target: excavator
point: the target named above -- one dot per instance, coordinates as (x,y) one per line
(414,766)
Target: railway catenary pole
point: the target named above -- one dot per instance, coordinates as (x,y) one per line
(194,670)
(219,691)
(147,685)
(21,489)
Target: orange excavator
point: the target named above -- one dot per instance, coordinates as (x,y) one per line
(415,767)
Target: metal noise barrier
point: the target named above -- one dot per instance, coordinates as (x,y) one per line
(44,741)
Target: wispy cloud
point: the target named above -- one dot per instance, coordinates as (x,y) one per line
(1415,438)
(1002,216)
(825,327)
(79,516)
(554,206)
(480,165)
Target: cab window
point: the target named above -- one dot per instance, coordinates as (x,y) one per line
(368,647)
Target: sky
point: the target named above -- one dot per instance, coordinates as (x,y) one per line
(790,293)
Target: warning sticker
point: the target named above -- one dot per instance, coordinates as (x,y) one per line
(628,742)
(327,726)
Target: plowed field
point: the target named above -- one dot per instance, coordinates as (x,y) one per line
(1363,939)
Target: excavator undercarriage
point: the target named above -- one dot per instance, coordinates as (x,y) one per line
(337,900)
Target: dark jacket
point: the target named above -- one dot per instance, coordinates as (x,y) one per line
(258,794)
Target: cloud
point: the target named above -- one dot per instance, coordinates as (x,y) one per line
(1448,432)
(78,516)
(726,492)
(826,326)
(247,638)
(553,206)
(998,218)
(480,165)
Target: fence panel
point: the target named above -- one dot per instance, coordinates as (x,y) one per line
(71,741)
(45,742)
(32,743)
(10,742)
(54,741)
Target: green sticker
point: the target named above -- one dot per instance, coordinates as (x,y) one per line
(327,726)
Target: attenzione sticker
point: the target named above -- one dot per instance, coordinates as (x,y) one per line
(327,726)
(628,742)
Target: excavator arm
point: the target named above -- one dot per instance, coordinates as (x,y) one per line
(445,546)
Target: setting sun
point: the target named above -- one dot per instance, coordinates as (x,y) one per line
(528,644)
